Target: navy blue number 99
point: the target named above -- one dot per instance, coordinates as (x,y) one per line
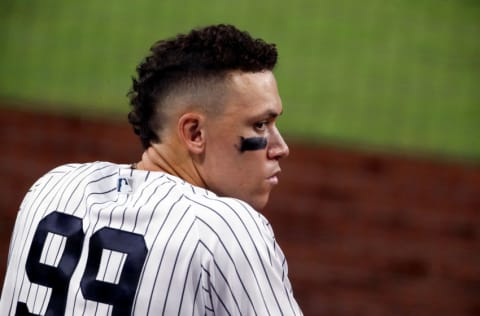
(120,295)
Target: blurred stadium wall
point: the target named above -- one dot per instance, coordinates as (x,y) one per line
(378,210)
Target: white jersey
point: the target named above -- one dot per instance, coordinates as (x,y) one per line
(103,239)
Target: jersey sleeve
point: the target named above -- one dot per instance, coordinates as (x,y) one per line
(245,271)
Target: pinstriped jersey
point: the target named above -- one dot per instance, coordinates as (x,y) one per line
(104,239)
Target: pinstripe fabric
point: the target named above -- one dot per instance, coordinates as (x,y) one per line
(204,255)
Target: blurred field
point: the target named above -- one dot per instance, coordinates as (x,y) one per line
(394,75)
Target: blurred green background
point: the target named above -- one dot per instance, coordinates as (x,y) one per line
(399,75)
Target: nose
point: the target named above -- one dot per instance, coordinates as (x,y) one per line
(278,148)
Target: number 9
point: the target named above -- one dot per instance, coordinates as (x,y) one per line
(120,295)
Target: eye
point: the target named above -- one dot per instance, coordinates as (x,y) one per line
(261,126)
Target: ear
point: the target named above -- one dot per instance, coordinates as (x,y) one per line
(191,131)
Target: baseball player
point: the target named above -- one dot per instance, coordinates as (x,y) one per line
(178,232)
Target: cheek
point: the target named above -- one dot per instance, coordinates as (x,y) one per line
(251,166)
(240,169)
(226,159)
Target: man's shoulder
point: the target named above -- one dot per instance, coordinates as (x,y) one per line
(208,202)
(78,167)
(226,215)
(73,172)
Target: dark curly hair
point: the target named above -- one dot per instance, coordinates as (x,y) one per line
(204,55)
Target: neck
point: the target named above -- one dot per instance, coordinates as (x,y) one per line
(159,157)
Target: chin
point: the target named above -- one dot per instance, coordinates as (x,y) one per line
(259,204)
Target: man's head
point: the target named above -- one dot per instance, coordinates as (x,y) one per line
(195,66)
(210,98)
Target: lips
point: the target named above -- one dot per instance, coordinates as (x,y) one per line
(273,179)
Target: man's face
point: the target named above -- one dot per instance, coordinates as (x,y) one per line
(243,144)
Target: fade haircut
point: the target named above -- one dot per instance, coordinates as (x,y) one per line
(191,61)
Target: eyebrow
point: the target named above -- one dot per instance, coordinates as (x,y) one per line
(271,114)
